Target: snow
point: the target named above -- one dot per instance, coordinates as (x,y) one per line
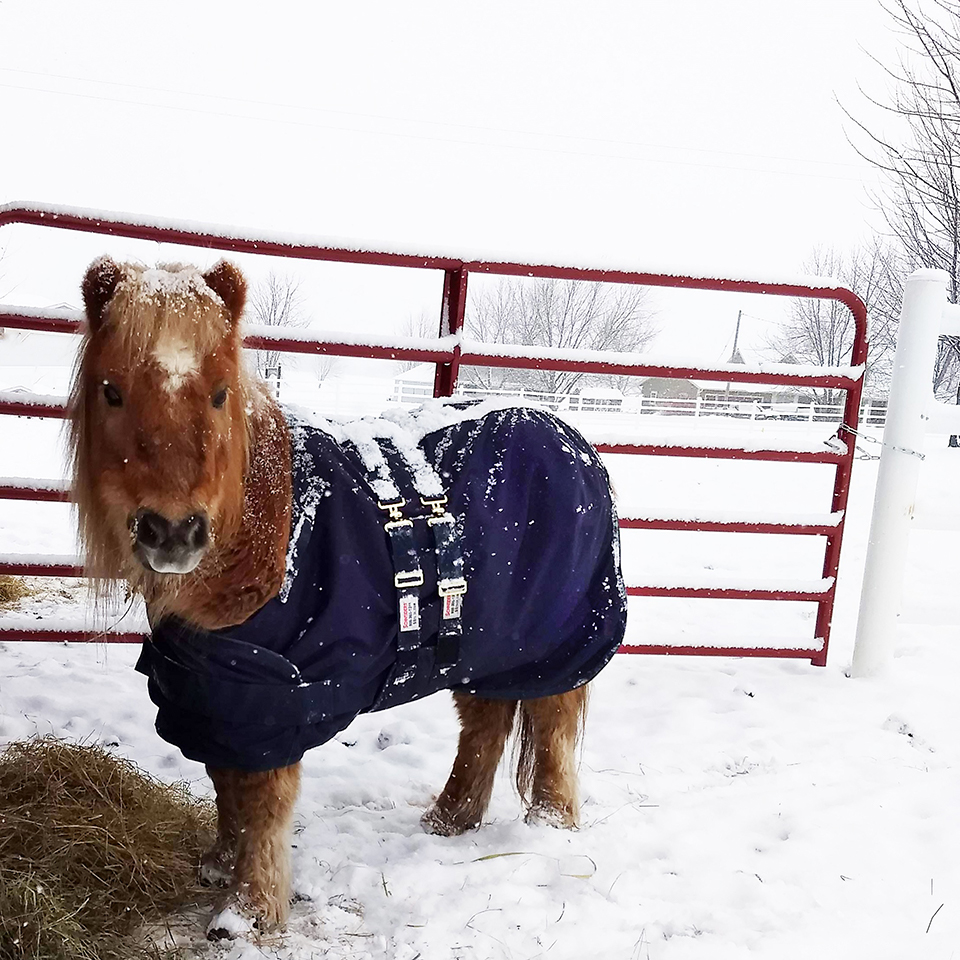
(33,399)
(43,313)
(705,582)
(718,269)
(442,346)
(749,516)
(69,559)
(34,483)
(720,371)
(732,808)
(663,432)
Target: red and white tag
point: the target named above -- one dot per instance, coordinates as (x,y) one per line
(452,605)
(409,613)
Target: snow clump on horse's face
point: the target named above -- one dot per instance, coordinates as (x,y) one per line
(160,410)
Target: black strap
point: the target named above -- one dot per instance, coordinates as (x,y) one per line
(408,578)
(414,659)
(451,584)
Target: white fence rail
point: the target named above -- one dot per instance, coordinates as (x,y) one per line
(872,412)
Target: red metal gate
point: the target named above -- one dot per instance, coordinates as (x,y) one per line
(449,352)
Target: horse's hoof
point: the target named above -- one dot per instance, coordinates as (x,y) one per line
(443,824)
(242,915)
(215,873)
(230,923)
(546,815)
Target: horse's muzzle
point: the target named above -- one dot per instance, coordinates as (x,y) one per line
(170,546)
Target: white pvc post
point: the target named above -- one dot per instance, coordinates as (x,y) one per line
(924,300)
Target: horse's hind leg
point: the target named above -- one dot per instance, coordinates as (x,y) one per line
(264,813)
(550,729)
(484,728)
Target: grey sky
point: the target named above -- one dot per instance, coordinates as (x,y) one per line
(688,135)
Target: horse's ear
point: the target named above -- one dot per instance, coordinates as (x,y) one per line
(99,286)
(227,282)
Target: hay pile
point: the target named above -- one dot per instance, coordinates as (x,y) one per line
(91,848)
(12,589)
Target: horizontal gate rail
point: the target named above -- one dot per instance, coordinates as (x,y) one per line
(12,488)
(731,593)
(813,653)
(69,636)
(21,567)
(449,351)
(474,353)
(729,526)
(721,453)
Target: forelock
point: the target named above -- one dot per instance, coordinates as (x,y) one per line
(167,303)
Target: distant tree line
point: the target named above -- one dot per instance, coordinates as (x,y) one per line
(567,314)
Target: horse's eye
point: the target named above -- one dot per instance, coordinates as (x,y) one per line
(220,398)
(112,395)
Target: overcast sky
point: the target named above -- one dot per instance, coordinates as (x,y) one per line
(688,135)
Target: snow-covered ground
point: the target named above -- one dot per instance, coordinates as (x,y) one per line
(731,808)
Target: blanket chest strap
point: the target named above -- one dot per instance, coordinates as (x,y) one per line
(408,578)
(418,661)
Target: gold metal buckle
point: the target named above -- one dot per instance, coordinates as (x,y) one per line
(438,504)
(395,509)
(394,524)
(454,587)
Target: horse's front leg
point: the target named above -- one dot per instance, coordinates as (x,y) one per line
(262,804)
(217,864)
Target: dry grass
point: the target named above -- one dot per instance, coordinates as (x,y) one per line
(91,849)
(13,589)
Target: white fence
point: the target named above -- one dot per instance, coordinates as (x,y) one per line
(872,411)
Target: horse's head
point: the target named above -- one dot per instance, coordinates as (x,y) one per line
(160,418)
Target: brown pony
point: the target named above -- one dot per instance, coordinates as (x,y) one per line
(182,480)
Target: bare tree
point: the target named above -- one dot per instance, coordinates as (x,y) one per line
(821,332)
(326,367)
(423,325)
(569,314)
(946,369)
(918,151)
(276,302)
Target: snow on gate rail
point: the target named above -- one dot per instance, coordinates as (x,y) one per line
(449,351)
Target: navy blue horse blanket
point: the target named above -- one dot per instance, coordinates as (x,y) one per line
(544,608)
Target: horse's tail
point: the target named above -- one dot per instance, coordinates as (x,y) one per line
(551,726)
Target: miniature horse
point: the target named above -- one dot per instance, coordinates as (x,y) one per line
(182,476)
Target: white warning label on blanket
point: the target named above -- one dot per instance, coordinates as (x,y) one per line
(409,613)
(452,605)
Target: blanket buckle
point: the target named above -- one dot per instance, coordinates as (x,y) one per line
(437,504)
(395,509)
(452,587)
(407,579)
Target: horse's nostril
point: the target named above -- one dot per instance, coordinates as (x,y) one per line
(152,529)
(195,531)
(171,546)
